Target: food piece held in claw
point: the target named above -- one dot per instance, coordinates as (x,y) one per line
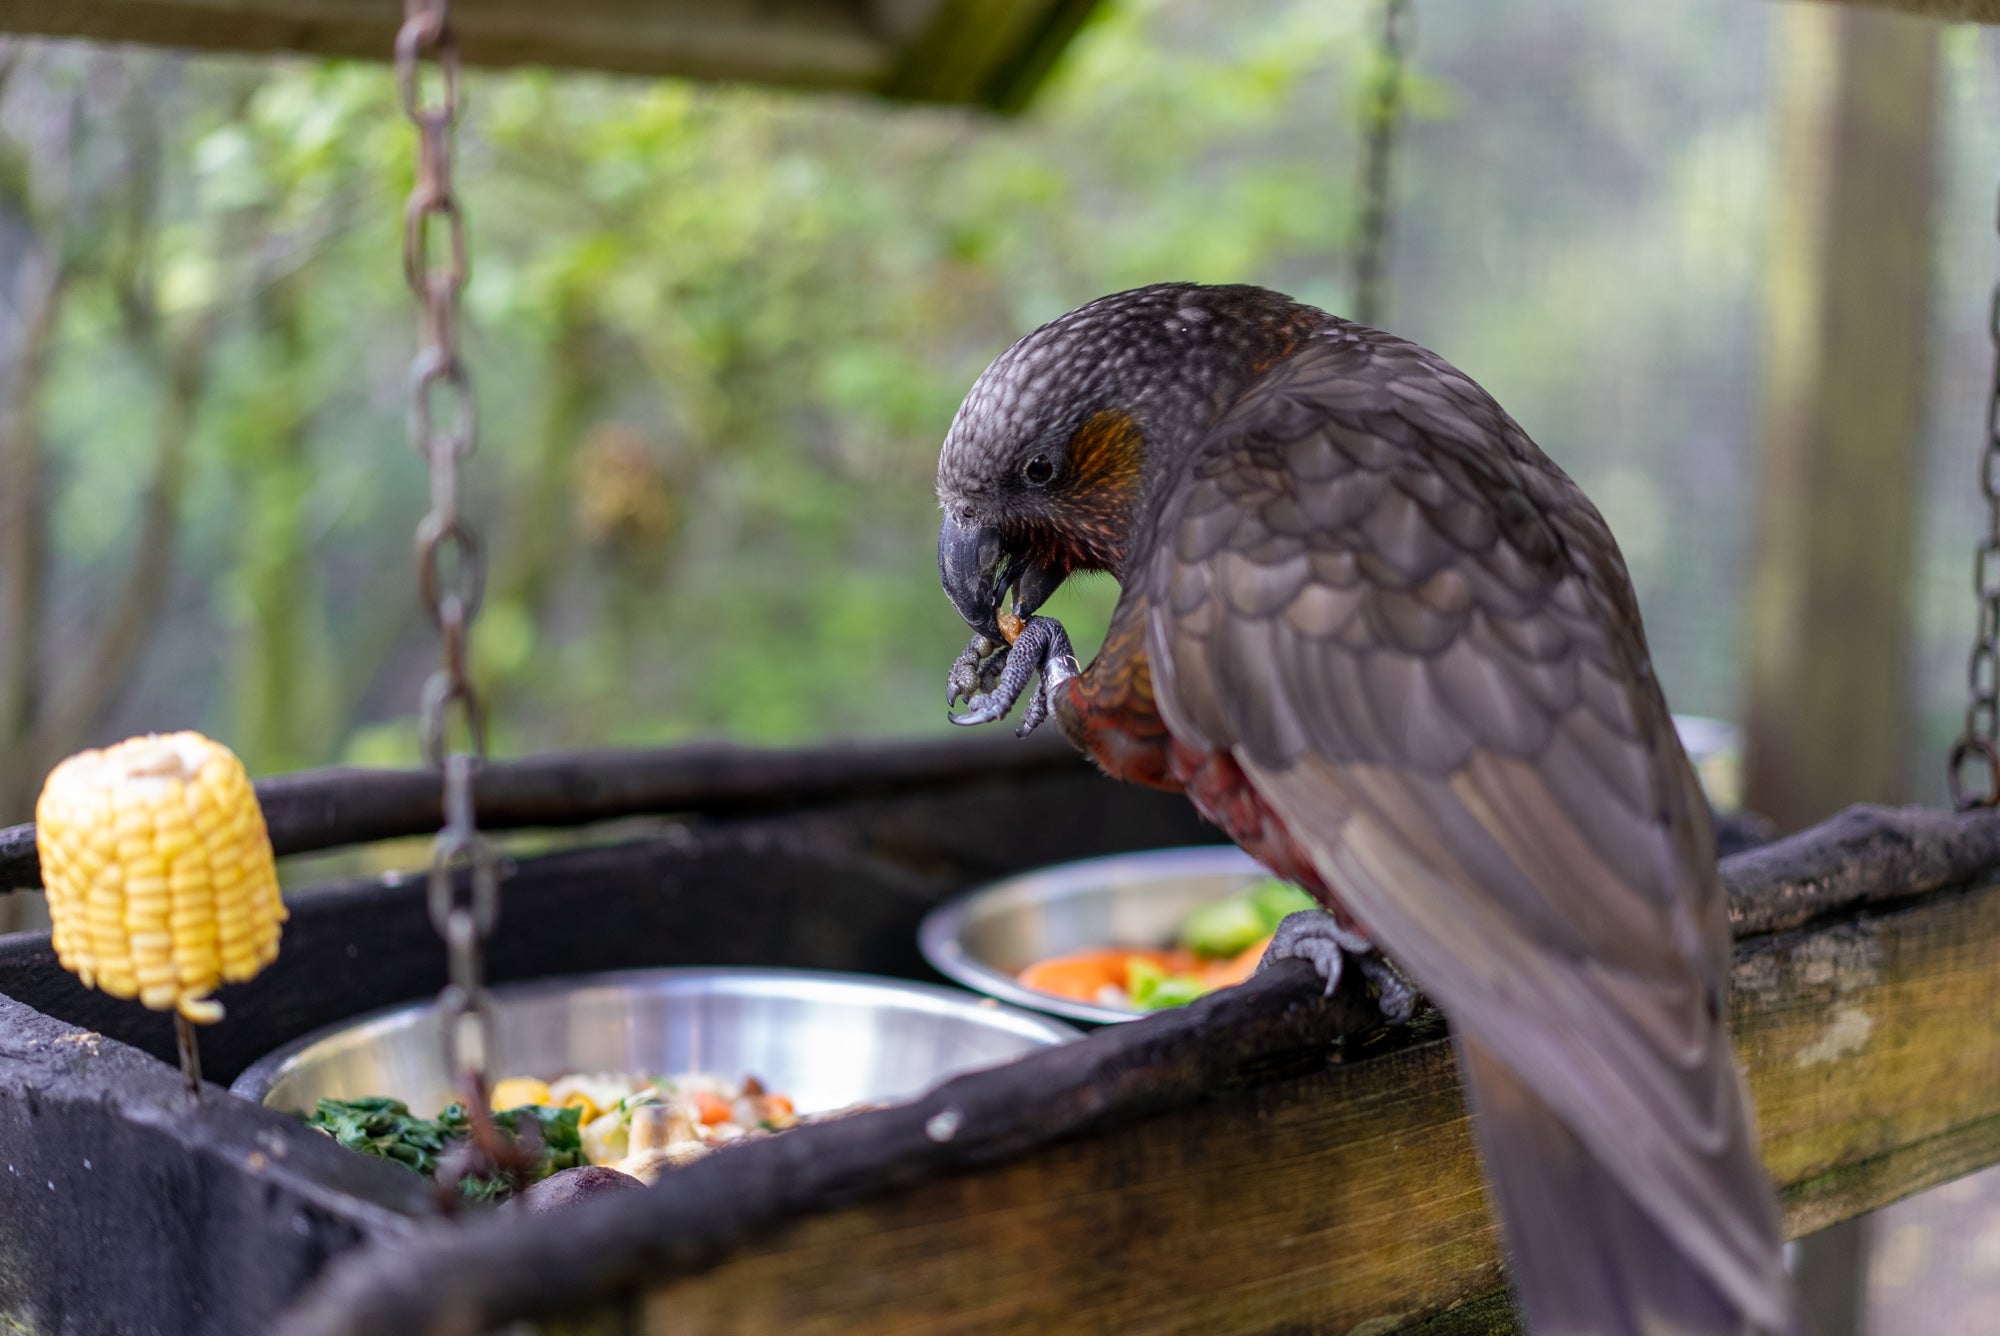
(1010,625)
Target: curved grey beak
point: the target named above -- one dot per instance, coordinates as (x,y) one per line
(970,558)
(975,568)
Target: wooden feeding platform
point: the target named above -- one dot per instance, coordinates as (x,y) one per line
(1264,1160)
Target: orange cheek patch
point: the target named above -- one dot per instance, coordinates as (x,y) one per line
(1104,454)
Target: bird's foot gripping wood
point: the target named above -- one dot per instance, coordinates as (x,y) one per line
(990,677)
(1316,937)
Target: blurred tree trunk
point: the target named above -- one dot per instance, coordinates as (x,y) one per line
(39,288)
(1828,621)
(539,531)
(282,716)
(1827,627)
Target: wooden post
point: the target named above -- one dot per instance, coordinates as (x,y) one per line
(1827,626)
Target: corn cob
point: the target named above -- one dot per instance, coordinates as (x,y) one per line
(160,878)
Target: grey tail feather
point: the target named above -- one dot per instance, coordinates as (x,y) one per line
(1585,1259)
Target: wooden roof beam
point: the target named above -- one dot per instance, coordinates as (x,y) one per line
(987,52)
(1952,11)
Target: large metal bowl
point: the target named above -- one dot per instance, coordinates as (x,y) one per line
(985,938)
(827,1040)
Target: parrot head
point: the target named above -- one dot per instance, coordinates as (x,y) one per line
(1046,463)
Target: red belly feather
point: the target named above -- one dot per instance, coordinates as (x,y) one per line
(1133,744)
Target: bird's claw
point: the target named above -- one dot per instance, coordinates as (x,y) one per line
(991,678)
(969,671)
(1317,937)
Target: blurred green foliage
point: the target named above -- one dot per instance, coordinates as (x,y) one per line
(717,334)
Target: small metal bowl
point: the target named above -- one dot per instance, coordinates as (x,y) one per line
(987,937)
(827,1040)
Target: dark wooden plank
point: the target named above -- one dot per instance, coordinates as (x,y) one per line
(1864,855)
(124,1208)
(315,810)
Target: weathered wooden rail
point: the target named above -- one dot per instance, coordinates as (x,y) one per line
(1264,1161)
(316,810)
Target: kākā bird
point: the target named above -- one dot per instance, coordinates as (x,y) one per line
(1391,649)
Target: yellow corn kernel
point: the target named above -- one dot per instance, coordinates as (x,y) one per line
(159,872)
(515,1091)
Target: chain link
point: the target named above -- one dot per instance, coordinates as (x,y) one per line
(463,894)
(1978,749)
(1385,108)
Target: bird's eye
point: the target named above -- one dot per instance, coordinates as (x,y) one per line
(1038,470)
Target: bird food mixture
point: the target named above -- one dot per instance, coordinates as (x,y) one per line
(640,1125)
(1216,945)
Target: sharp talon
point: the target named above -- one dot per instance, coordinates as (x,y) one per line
(1310,935)
(1316,937)
(970,672)
(1395,996)
(1032,717)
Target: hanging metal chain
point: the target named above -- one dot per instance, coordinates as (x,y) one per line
(464,886)
(1385,112)
(1978,748)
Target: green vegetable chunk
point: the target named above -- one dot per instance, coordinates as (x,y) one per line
(1225,928)
(1232,926)
(1275,899)
(1153,989)
(386,1128)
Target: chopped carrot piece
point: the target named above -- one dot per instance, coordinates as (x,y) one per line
(1080,975)
(711,1108)
(1083,975)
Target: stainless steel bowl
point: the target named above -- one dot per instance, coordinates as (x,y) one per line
(827,1040)
(985,938)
